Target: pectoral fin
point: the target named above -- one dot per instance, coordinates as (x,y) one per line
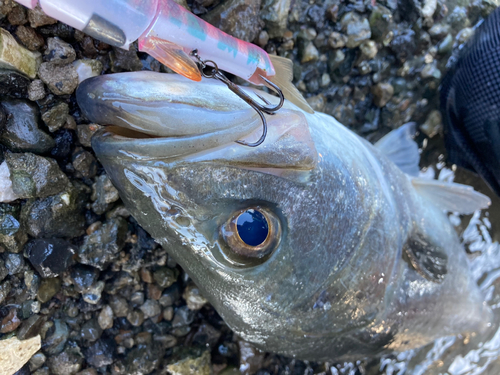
(426,257)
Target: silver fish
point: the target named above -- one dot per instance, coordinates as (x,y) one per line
(315,244)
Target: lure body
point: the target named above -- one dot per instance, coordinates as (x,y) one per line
(165,30)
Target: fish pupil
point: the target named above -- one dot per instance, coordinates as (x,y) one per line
(252,227)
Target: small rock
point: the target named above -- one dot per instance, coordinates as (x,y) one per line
(275,15)
(103,194)
(30,38)
(59,52)
(317,102)
(61,80)
(382,93)
(55,341)
(22,132)
(146,275)
(193,297)
(13,84)
(135,317)
(433,124)
(102,247)
(170,295)
(31,327)
(356,28)
(206,335)
(83,277)
(13,56)
(380,22)
(154,292)
(48,289)
(36,90)
(17,16)
(150,308)
(50,257)
(64,139)
(87,69)
(91,331)
(165,341)
(368,49)
(142,360)
(14,263)
(35,176)
(68,362)
(337,40)
(105,318)
(56,116)
(100,354)
(85,133)
(239,18)
(183,317)
(188,366)
(93,294)
(439,31)
(309,54)
(165,276)
(85,164)
(137,298)
(119,306)
(10,322)
(38,18)
(122,60)
(12,236)
(56,216)
(37,361)
(263,38)
(430,71)
(446,45)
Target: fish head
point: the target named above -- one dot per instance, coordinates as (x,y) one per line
(247,224)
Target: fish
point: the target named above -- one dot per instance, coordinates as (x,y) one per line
(316,245)
(470,104)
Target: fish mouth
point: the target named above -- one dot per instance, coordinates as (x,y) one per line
(152,116)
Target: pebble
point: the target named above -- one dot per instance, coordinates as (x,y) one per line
(105,318)
(446,45)
(206,335)
(165,276)
(170,295)
(275,15)
(194,299)
(30,38)
(251,359)
(85,164)
(48,289)
(91,331)
(154,291)
(433,124)
(141,360)
(31,327)
(14,263)
(13,84)
(356,28)
(192,365)
(100,354)
(102,247)
(35,176)
(122,60)
(60,79)
(309,54)
(93,294)
(168,313)
(37,361)
(368,49)
(119,306)
(317,102)
(65,140)
(50,257)
(59,52)
(135,317)
(10,322)
(337,40)
(85,133)
(55,341)
(382,93)
(150,308)
(56,116)
(13,56)
(87,69)
(68,362)
(239,18)
(381,22)
(36,90)
(137,298)
(38,18)
(17,16)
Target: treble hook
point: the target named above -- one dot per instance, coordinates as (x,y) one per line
(259,108)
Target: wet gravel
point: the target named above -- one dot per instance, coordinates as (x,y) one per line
(77,269)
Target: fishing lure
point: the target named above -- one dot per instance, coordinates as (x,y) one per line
(170,33)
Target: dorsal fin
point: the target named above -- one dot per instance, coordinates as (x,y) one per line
(400,148)
(426,257)
(450,196)
(284,78)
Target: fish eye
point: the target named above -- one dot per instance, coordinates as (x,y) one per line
(253,232)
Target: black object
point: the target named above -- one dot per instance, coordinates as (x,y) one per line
(470,104)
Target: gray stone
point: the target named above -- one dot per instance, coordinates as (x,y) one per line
(56,116)
(36,90)
(5,289)
(50,257)
(85,164)
(68,362)
(309,53)
(87,69)
(119,306)
(91,331)
(165,276)
(60,79)
(35,176)
(104,194)
(14,263)
(275,15)
(85,133)
(192,365)
(22,132)
(102,246)
(12,235)
(55,341)
(93,294)
(105,318)
(193,297)
(150,308)
(382,93)
(356,28)
(100,354)
(59,52)
(141,360)
(56,216)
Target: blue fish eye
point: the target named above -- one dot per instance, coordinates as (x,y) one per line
(252,227)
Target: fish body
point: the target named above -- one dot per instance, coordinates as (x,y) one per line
(470,104)
(359,258)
